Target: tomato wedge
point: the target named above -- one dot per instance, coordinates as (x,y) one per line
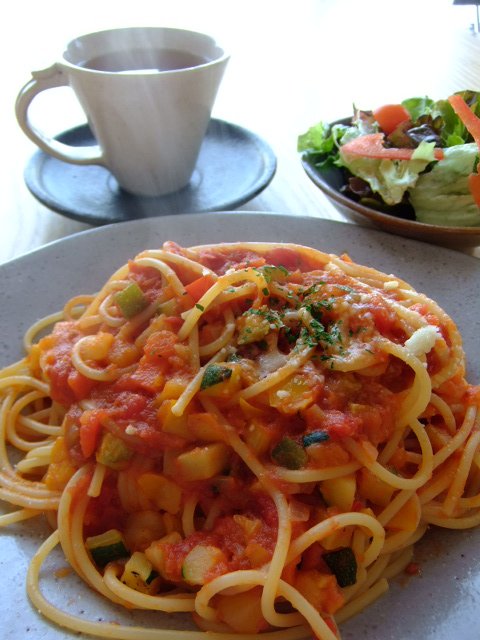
(371,146)
(389,116)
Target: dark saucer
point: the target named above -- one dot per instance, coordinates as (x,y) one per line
(233,167)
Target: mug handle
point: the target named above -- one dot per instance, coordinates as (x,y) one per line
(42,80)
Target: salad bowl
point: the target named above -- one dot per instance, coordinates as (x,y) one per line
(332,180)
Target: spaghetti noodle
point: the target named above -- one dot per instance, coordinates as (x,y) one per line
(254,434)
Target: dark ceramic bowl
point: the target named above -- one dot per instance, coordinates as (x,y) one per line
(332,179)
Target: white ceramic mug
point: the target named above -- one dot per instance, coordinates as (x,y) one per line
(147,93)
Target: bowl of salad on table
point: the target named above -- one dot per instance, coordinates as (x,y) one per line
(410,168)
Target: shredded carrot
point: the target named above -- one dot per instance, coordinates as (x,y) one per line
(467,116)
(474,186)
(472,123)
(199,286)
(371,146)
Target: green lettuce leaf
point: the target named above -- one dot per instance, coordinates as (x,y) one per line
(442,196)
(418,107)
(321,143)
(442,117)
(390,178)
(322,138)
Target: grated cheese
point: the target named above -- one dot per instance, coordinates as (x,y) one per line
(390,284)
(422,340)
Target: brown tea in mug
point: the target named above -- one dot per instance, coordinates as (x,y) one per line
(135,60)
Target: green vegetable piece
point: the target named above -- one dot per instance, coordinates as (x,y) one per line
(131,300)
(273,273)
(107,547)
(442,196)
(288,453)
(418,107)
(113,451)
(315,437)
(199,562)
(214,374)
(343,564)
(138,568)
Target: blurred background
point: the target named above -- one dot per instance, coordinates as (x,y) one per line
(293,63)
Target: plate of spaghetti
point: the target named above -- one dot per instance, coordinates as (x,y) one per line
(213,438)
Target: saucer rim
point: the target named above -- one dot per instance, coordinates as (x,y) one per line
(40,163)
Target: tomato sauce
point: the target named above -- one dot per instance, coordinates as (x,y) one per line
(149,279)
(58,365)
(228,535)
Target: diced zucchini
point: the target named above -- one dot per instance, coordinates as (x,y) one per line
(258,436)
(343,564)
(131,300)
(315,437)
(139,574)
(199,562)
(170,423)
(173,389)
(106,547)
(221,381)
(164,493)
(113,452)
(214,374)
(156,553)
(340,492)
(373,489)
(203,462)
(288,453)
(243,611)
(205,426)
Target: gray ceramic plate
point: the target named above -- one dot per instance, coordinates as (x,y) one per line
(443,603)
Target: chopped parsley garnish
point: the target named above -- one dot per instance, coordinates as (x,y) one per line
(320,333)
(270,315)
(316,308)
(271,272)
(313,288)
(200,306)
(335,331)
(131,300)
